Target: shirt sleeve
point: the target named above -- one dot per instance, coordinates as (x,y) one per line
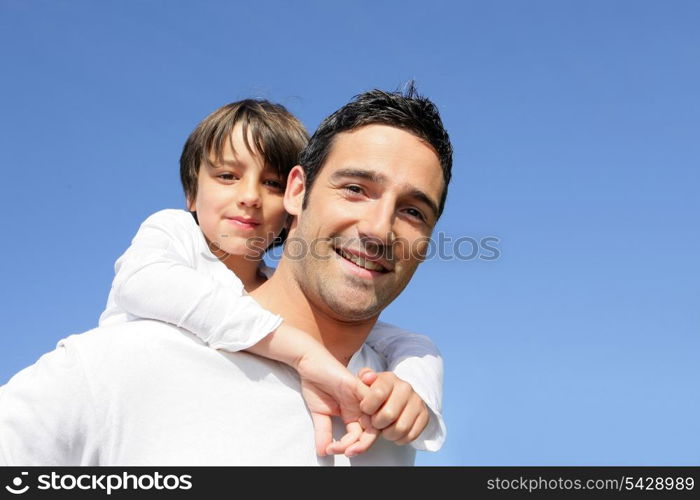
(47,415)
(157,278)
(415,359)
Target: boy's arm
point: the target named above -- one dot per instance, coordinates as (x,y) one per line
(415,359)
(157,278)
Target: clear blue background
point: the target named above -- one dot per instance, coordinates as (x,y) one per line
(576,132)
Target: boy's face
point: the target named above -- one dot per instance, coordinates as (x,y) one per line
(239,201)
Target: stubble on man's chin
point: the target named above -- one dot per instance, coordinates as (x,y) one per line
(358,302)
(346,308)
(324,294)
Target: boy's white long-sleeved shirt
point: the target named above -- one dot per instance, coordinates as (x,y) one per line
(170,274)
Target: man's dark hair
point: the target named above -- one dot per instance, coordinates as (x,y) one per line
(401,109)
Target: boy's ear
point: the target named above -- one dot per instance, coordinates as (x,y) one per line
(294,194)
(190,204)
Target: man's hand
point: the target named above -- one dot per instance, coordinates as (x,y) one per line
(394,407)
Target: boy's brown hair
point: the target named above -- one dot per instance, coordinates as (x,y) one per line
(277,135)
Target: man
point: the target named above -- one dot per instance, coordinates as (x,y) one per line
(372,186)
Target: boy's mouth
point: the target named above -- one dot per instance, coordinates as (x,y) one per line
(244,222)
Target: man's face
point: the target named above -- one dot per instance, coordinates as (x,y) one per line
(369,214)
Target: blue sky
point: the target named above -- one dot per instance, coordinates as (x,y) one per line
(575,127)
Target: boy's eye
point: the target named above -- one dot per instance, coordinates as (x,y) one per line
(275,184)
(227,176)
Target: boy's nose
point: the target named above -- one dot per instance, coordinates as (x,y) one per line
(250,196)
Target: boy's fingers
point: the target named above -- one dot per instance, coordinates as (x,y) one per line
(394,405)
(366,440)
(323,432)
(361,390)
(417,429)
(403,425)
(377,395)
(366,421)
(354,431)
(367,375)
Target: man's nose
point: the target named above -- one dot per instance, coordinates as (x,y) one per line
(249,193)
(377,224)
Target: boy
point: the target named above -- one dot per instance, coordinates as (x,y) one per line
(193,270)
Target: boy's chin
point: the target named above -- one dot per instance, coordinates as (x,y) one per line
(238,252)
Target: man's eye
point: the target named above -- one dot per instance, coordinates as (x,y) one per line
(353,188)
(415,213)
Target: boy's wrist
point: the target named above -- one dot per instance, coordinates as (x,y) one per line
(317,358)
(290,346)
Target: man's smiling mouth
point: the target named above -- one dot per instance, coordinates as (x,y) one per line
(361,261)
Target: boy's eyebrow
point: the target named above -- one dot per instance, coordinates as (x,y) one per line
(224,163)
(233,163)
(378,178)
(217,163)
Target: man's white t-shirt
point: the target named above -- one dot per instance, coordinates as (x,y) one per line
(149,393)
(169,273)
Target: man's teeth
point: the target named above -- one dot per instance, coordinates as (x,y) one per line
(362,262)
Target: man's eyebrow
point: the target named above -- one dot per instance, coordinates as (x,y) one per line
(360,173)
(382,179)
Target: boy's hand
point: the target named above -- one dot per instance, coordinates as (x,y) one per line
(330,389)
(327,386)
(394,407)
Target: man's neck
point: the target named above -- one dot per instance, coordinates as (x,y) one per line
(281,294)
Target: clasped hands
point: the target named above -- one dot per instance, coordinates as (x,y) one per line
(370,404)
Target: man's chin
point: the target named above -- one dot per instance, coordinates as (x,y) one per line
(353,308)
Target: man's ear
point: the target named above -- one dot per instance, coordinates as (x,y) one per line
(294,194)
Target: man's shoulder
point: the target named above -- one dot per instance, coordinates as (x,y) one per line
(383,335)
(383,326)
(386,330)
(125,342)
(142,332)
(104,358)
(145,348)
(367,356)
